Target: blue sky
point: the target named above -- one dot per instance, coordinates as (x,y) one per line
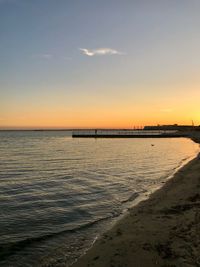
(73,63)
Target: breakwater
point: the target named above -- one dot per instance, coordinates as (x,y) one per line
(102,133)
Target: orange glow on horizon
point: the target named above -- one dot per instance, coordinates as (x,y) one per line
(96,120)
(182,108)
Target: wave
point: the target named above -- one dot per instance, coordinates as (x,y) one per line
(131,198)
(8,249)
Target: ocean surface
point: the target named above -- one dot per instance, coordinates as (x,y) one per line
(58,194)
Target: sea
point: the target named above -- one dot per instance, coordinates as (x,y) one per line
(58,194)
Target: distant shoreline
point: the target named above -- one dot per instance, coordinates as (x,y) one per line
(71,129)
(33,130)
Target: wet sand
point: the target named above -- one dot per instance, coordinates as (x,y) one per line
(162,231)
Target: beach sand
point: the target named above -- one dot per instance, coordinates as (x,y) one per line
(163,230)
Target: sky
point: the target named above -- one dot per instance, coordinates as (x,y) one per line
(99,64)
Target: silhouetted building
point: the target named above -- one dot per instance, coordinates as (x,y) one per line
(173,127)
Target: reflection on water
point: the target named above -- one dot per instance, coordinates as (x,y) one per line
(58,193)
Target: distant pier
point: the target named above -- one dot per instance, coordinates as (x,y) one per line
(125,133)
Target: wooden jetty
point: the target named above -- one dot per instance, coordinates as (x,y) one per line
(99,133)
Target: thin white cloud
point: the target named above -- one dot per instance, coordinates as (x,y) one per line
(100,52)
(43,56)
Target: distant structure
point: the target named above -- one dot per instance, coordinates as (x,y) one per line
(174,127)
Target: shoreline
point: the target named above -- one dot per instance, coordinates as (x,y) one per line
(163,230)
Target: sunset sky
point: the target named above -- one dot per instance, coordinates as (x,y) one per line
(99,63)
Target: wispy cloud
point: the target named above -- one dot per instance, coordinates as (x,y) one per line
(43,56)
(46,56)
(100,52)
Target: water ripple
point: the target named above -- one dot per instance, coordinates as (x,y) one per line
(52,185)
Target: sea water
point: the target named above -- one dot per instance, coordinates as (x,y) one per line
(58,194)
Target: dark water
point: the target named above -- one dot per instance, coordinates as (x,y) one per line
(57,194)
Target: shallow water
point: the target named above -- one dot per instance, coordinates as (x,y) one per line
(58,193)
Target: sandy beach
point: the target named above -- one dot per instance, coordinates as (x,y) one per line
(163,230)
